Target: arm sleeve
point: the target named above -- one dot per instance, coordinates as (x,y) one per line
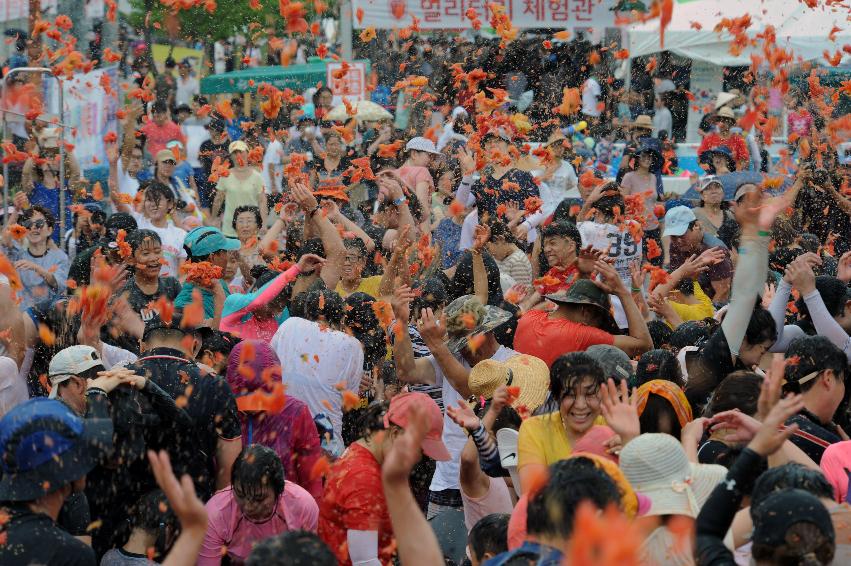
(717,513)
(785,333)
(464,194)
(61,273)
(825,324)
(363,547)
(261,297)
(488,453)
(748,280)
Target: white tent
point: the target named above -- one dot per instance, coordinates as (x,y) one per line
(801,29)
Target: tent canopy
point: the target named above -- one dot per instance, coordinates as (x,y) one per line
(296,77)
(800,29)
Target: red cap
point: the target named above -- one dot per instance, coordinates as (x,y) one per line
(400,411)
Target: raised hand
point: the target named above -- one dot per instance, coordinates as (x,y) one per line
(303,197)
(801,276)
(309,262)
(610,281)
(467,161)
(620,412)
(181,495)
(481,237)
(587,258)
(432,329)
(843,271)
(463,416)
(401,303)
(770,436)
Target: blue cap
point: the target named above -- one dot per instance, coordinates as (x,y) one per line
(44,446)
(677,221)
(206,240)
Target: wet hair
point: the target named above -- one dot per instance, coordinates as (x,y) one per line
(158,106)
(247,208)
(489,534)
(432,295)
(804,545)
(371,419)
(256,467)
(761,327)
(151,512)
(659,364)
(136,238)
(657,410)
(356,244)
(569,370)
(609,202)
(216,341)
(564,230)
(326,304)
(291,548)
(660,333)
(262,274)
(686,286)
(572,482)
(813,353)
(360,318)
(730,233)
(562,211)
(312,246)
(462,281)
(739,390)
(499,229)
(295,235)
(49,219)
(692,333)
(155,191)
(789,476)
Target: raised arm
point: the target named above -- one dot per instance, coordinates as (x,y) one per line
(397,264)
(389,182)
(480,274)
(409,369)
(639,340)
(331,240)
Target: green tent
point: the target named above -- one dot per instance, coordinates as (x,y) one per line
(296,77)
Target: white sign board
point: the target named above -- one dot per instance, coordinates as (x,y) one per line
(91,112)
(352,85)
(707,80)
(451,14)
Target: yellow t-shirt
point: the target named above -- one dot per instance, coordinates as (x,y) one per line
(368,285)
(238,193)
(542,440)
(697,311)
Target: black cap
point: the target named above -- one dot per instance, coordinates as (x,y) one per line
(121,221)
(154,322)
(786,508)
(183,108)
(217,124)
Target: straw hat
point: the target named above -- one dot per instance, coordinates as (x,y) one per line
(725,113)
(643,122)
(656,465)
(556,136)
(528,373)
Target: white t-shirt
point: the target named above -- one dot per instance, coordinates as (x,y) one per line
(219,58)
(621,247)
(561,185)
(274,156)
(446,473)
(590,93)
(196,134)
(172,239)
(313,361)
(185,90)
(126,184)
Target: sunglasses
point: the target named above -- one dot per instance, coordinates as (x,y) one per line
(169,161)
(37,225)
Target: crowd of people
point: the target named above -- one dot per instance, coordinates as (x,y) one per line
(458,334)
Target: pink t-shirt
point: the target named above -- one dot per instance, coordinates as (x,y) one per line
(227,527)
(633,184)
(412,175)
(800,122)
(496,500)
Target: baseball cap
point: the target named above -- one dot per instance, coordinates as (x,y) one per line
(783,509)
(614,361)
(165,155)
(238,145)
(44,446)
(420,143)
(71,362)
(153,321)
(677,221)
(206,240)
(399,414)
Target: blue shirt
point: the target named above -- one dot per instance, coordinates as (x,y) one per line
(546,555)
(185,297)
(49,199)
(448,235)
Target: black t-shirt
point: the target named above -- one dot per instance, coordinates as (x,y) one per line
(514,186)
(169,287)
(209,151)
(74,516)
(33,538)
(812,437)
(80,270)
(330,178)
(822,216)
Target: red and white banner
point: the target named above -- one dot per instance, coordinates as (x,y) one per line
(11,10)
(352,86)
(451,14)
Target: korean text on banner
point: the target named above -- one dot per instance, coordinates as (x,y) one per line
(352,85)
(91,114)
(450,14)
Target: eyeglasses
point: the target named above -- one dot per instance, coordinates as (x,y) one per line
(590,395)
(168,162)
(352,259)
(36,225)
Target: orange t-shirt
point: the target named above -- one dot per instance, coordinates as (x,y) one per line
(547,339)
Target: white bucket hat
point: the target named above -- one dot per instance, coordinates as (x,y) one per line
(420,143)
(657,467)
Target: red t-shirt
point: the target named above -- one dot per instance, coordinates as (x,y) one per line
(555,280)
(158,136)
(734,143)
(354,500)
(547,339)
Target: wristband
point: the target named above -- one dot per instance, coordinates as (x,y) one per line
(764,233)
(637,289)
(314,211)
(400,201)
(95,390)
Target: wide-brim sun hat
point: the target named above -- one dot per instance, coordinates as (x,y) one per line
(725,113)
(585,292)
(44,446)
(530,374)
(642,122)
(657,467)
(238,145)
(708,181)
(481,320)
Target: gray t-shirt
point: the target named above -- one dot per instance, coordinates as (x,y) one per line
(35,289)
(120,557)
